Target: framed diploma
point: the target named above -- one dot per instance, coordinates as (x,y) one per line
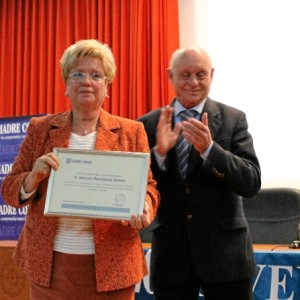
(97,184)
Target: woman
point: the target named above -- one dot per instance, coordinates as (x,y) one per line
(78,258)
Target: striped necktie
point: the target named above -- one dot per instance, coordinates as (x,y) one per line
(183,146)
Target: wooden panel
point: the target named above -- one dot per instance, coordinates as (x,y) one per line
(13,284)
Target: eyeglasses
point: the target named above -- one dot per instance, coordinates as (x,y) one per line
(78,76)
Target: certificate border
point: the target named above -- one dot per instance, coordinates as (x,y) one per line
(142,179)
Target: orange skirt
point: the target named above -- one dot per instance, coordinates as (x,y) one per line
(73,277)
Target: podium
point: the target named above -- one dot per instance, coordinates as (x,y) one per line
(13,283)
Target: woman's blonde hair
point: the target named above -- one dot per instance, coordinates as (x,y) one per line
(88,48)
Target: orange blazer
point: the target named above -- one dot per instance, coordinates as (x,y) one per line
(119,255)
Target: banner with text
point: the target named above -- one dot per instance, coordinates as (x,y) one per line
(12,133)
(278,277)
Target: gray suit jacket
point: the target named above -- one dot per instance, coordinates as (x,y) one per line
(201,219)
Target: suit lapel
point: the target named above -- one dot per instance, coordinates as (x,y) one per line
(60,131)
(173,119)
(214,117)
(107,137)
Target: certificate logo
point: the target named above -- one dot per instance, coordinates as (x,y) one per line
(120,200)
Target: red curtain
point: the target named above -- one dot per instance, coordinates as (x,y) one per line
(34,34)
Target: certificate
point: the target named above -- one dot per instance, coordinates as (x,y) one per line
(97,184)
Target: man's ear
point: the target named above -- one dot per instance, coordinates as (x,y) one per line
(212,73)
(170,74)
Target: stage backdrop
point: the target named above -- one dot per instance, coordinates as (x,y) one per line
(12,133)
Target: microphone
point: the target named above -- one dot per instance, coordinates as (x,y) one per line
(296,244)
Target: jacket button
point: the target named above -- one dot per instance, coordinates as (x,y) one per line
(189,217)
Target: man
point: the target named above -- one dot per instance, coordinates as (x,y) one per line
(200,237)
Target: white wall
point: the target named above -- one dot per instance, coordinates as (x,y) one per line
(255,49)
